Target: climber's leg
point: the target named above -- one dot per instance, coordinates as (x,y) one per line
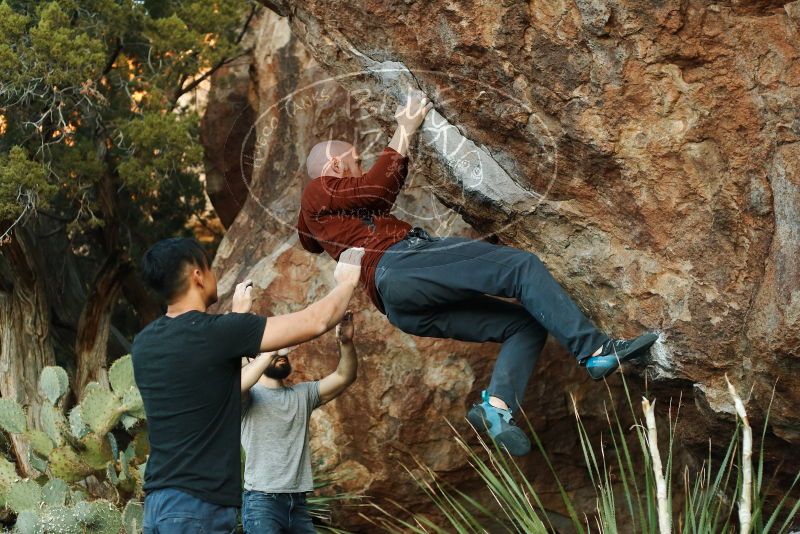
(482,319)
(419,275)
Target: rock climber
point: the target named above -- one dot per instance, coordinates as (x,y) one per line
(277,472)
(446,287)
(187,365)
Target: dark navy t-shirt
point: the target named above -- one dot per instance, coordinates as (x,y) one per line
(188,369)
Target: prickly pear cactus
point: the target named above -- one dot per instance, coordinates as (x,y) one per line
(40,442)
(101,410)
(129,479)
(53,423)
(53,383)
(83,511)
(132,517)
(59,519)
(12,417)
(76,424)
(66,464)
(121,376)
(96,451)
(8,475)
(55,492)
(112,441)
(37,462)
(133,404)
(69,450)
(23,495)
(105,518)
(27,523)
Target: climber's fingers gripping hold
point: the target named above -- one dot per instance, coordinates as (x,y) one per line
(411,116)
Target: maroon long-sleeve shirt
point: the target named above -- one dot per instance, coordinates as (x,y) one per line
(340,213)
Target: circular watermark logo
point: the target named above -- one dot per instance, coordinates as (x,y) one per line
(367,200)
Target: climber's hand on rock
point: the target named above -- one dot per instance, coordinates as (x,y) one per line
(410,116)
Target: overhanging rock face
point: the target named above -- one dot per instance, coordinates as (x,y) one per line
(647,153)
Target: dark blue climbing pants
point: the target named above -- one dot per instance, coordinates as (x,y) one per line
(445,288)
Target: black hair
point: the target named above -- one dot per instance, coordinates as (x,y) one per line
(164,263)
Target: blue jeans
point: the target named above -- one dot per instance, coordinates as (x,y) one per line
(171,511)
(444,287)
(275,513)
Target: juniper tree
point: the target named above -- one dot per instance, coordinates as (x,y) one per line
(99,157)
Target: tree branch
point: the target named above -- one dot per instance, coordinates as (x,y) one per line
(224,61)
(112,58)
(253,11)
(197,81)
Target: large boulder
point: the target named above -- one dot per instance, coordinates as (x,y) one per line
(647,152)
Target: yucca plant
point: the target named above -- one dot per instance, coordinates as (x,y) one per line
(634,486)
(321,502)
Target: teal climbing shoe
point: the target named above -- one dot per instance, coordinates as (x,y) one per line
(500,426)
(616,351)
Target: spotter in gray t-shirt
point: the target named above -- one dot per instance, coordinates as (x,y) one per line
(275,438)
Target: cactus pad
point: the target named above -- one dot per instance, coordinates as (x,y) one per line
(58,519)
(114,447)
(133,404)
(40,442)
(101,410)
(53,423)
(12,418)
(106,519)
(129,422)
(83,511)
(8,475)
(23,495)
(88,388)
(55,492)
(111,474)
(27,523)
(125,458)
(132,517)
(37,462)
(65,463)
(121,375)
(77,495)
(97,451)
(76,425)
(53,383)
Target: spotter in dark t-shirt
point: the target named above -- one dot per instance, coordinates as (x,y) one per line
(188,369)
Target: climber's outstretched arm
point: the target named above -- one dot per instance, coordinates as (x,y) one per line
(294,328)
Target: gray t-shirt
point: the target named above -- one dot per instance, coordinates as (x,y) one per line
(275,438)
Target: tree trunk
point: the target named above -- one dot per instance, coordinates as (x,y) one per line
(91,342)
(25,344)
(93,326)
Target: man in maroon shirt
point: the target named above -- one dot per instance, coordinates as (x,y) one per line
(446,287)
